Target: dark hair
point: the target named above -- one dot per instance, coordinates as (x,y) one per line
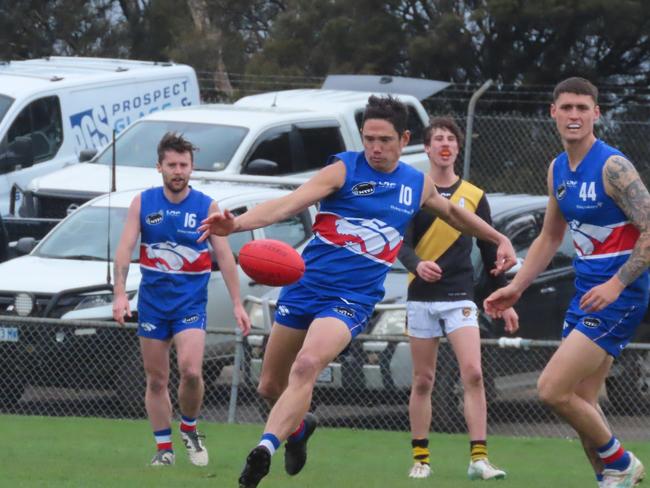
(579,86)
(442,123)
(172,141)
(387,108)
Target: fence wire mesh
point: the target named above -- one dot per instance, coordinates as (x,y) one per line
(79,368)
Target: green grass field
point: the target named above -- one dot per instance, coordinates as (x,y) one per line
(81,452)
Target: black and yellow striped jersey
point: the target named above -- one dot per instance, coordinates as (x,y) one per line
(432,239)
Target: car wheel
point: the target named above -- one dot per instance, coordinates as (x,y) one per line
(628,390)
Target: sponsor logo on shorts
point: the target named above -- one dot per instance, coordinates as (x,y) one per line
(154,218)
(591,322)
(344,311)
(467,312)
(147,326)
(191,319)
(561,191)
(364,189)
(283,310)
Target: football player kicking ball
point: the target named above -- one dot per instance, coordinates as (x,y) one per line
(367,199)
(597,191)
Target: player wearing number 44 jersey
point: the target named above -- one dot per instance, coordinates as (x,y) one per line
(173,293)
(367,200)
(596,191)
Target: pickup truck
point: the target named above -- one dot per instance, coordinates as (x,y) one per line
(280,133)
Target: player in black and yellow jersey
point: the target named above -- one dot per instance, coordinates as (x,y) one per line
(440,302)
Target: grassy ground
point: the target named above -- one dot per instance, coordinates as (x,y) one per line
(76,452)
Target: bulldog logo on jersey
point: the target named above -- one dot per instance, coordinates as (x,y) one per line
(598,241)
(370,238)
(174,258)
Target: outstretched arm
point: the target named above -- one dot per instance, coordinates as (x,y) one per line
(468,223)
(123,254)
(228,268)
(326,181)
(537,259)
(624,185)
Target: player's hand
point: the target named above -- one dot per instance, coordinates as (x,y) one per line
(500,300)
(429,271)
(243,321)
(121,308)
(511,319)
(601,296)
(217,223)
(506,257)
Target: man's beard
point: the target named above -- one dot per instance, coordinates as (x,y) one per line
(169,185)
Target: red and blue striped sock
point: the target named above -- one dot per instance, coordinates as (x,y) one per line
(614,456)
(163,439)
(188,424)
(298,434)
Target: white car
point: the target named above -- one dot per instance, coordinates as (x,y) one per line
(65,276)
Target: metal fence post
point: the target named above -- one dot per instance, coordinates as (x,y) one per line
(234,387)
(470,126)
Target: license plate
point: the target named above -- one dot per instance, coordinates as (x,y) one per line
(8,334)
(325,376)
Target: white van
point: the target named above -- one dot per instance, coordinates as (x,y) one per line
(53,108)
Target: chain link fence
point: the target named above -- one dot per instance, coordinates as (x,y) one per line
(80,368)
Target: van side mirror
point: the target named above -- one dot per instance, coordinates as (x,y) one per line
(87,154)
(22,150)
(263,167)
(25,245)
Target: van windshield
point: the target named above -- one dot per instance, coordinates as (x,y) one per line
(5,103)
(82,235)
(137,145)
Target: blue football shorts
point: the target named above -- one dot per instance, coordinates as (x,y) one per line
(611,328)
(152,327)
(299,306)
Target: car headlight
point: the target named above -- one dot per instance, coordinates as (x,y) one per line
(391,322)
(100,300)
(24,304)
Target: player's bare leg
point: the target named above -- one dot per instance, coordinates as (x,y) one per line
(324,341)
(589,389)
(466,343)
(155,358)
(280,352)
(424,353)
(576,359)
(190,346)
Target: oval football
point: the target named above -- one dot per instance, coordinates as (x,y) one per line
(271,262)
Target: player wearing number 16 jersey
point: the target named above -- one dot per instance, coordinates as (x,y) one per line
(173,293)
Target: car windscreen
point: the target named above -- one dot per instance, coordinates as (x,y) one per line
(137,146)
(5,103)
(83,234)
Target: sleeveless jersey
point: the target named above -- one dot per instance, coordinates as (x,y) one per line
(603,236)
(359,229)
(175,268)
